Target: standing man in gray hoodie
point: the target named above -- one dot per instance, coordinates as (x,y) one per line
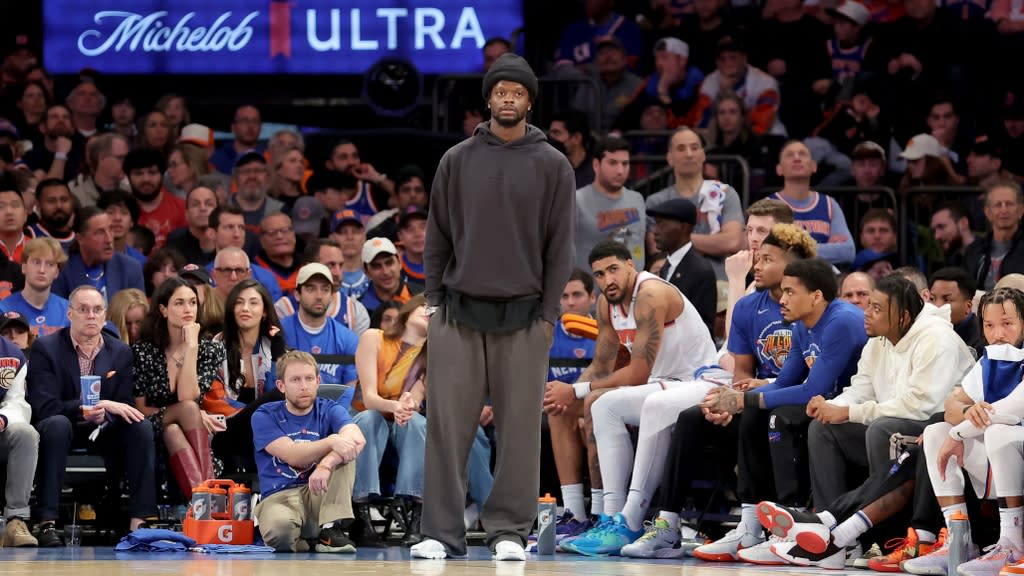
(499,251)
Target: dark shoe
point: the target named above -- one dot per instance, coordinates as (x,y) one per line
(335,540)
(361,531)
(49,537)
(412,532)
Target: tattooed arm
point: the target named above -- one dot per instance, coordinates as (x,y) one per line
(607,348)
(650,310)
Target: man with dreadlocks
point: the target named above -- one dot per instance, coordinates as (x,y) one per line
(911,362)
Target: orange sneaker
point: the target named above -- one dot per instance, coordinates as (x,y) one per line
(903,549)
(1016,569)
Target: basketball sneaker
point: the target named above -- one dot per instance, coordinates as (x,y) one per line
(992,561)
(607,541)
(725,549)
(936,562)
(659,541)
(904,549)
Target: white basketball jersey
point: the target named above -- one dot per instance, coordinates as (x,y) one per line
(686,344)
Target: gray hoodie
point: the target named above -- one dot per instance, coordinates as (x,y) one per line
(501,221)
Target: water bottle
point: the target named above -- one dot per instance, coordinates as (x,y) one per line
(959,536)
(547,510)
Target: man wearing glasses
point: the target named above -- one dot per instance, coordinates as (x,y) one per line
(277,237)
(228,228)
(251,181)
(111,427)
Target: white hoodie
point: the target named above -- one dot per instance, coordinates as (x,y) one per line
(911,379)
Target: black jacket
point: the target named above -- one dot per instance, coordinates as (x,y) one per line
(978,259)
(695,278)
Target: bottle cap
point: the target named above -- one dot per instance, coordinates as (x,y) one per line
(200,489)
(216,490)
(958,516)
(547,499)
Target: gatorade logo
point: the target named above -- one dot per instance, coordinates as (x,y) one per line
(225,533)
(94,388)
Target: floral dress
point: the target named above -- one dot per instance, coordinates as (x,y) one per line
(151,381)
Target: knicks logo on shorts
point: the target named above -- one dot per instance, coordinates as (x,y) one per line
(774,437)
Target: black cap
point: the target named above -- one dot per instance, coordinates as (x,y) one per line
(730,44)
(514,68)
(411,213)
(679,209)
(196,272)
(984,146)
(11,318)
(249,157)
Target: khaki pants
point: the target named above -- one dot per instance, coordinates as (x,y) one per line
(288,517)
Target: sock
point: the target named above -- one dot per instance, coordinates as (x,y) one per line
(827,519)
(572,498)
(671,517)
(748,519)
(596,501)
(847,533)
(633,514)
(925,537)
(1010,522)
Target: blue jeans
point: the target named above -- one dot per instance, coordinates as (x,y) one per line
(480,477)
(409,441)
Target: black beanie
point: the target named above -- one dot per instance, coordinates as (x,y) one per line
(513,68)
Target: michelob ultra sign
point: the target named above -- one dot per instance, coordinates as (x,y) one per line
(271,36)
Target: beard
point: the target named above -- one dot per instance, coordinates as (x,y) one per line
(141,197)
(58,220)
(506,122)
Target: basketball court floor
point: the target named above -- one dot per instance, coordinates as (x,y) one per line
(393,561)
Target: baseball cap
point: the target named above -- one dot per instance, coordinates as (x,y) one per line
(13,317)
(250,156)
(375,247)
(307,216)
(673,45)
(8,129)
(679,209)
(730,44)
(411,213)
(197,134)
(866,257)
(342,216)
(868,149)
(984,146)
(922,145)
(194,271)
(611,42)
(313,269)
(852,11)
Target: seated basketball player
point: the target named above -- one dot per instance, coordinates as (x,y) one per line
(828,335)
(759,341)
(668,341)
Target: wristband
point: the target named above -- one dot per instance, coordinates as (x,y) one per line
(60,156)
(581,389)
(955,434)
(752,399)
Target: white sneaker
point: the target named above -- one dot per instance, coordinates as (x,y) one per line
(762,553)
(659,541)
(509,550)
(725,548)
(936,562)
(429,549)
(992,561)
(833,558)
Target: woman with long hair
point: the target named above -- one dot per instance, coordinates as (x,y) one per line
(184,168)
(392,371)
(32,103)
(173,369)
(288,168)
(253,342)
(128,309)
(175,109)
(154,132)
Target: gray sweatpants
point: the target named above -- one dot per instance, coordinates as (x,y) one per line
(464,368)
(19,446)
